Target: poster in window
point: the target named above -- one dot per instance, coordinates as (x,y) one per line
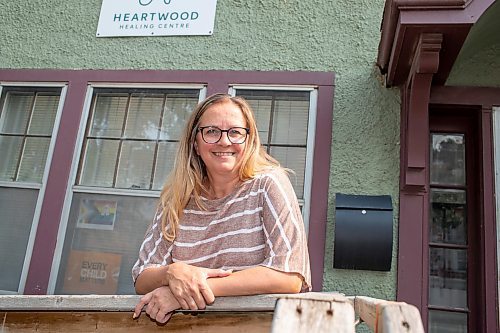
(92,273)
(97,214)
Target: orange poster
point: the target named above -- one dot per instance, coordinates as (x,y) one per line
(92,273)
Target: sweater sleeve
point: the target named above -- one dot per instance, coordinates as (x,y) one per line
(155,249)
(286,241)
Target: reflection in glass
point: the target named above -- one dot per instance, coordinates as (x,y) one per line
(448,216)
(16,112)
(33,160)
(102,243)
(108,114)
(295,159)
(10,150)
(143,117)
(18,208)
(447,322)
(135,165)
(99,163)
(448,159)
(44,114)
(164,163)
(177,111)
(448,277)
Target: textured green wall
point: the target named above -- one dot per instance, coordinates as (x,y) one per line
(478,63)
(339,36)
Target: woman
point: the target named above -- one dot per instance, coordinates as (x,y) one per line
(229,222)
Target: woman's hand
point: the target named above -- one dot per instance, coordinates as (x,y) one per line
(160,304)
(189,284)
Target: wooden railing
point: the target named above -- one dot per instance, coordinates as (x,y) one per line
(309,312)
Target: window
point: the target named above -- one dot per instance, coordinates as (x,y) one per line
(86,218)
(27,117)
(454,255)
(132,136)
(283,118)
(128,149)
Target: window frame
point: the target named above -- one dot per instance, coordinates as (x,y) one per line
(311,136)
(496,163)
(216,81)
(41,187)
(411,274)
(77,159)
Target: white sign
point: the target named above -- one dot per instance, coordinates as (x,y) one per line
(156,17)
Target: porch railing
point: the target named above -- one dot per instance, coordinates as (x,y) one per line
(309,312)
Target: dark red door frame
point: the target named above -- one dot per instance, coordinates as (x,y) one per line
(418,96)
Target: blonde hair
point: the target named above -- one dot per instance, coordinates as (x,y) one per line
(189,172)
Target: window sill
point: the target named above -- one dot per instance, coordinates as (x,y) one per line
(124,303)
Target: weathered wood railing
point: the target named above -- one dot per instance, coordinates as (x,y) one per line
(310,312)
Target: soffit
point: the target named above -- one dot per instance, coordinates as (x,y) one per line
(405,20)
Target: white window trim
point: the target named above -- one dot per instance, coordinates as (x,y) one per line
(70,189)
(496,158)
(311,135)
(41,187)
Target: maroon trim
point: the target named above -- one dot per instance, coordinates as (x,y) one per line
(405,20)
(50,215)
(465,95)
(489,242)
(414,194)
(413,257)
(320,184)
(216,81)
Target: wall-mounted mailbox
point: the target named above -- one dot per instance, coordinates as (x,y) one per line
(363,232)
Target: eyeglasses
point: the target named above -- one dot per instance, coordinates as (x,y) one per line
(212,134)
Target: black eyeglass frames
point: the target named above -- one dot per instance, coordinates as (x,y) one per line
(213,134)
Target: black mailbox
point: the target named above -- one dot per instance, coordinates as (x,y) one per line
(363,232)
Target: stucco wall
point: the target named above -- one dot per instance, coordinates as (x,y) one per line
(478,63)
(339,36)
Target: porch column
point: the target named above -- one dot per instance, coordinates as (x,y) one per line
(414,182)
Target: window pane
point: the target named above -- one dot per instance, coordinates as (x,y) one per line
(138,119)
(16,112)
(290,121)
(164,163)
(295,159)
(136,164)
(10,150)
(449,218)
(448,159)
(17,207)
(177,111)
(102,243)
(447,322)
(262,112)
(448,278)
(33,160)
(99,164)
(109,111)
(44,114)
(143,118)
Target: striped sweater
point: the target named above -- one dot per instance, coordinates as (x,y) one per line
(259,224)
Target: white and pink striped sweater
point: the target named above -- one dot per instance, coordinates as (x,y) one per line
(260,223)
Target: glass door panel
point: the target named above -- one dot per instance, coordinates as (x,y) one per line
(448,235)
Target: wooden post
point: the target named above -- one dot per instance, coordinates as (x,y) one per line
(313,312)
(388,317)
